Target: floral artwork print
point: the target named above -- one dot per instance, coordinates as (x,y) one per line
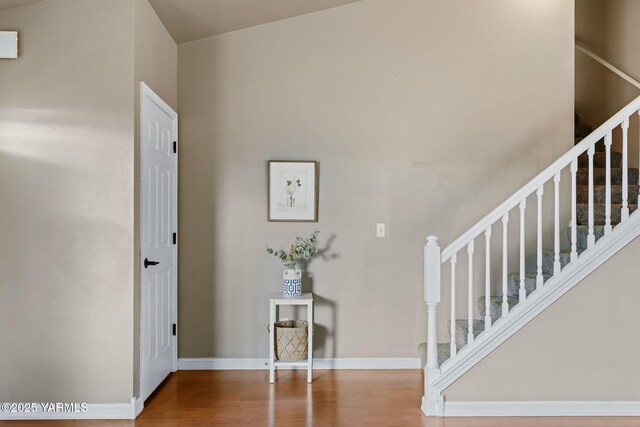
(293,190)
(290,188)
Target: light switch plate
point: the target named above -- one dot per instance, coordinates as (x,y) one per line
(8,44)
(381,230)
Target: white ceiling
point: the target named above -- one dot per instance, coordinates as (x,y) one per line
(188,20)
(10,4)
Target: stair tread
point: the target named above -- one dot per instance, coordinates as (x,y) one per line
(465,321)
(600,193)
(599,211)
(443,352)
(604,186)
(478,325)
(604,168)
(529,275)
(553,251)
(602,205)
(582,168)
(462,330)
(585,227)
(498,299)
(599,176)
(615,156)
(603,154)
(495,306)
(462,325)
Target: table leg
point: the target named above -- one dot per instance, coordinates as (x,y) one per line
(272,334)
(310,343)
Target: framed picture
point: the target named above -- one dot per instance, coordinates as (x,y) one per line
(293,190)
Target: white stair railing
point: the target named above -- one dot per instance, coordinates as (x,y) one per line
(434,257)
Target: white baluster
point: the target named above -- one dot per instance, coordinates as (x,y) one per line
(624,214)
(607,202)
(505,274)
(539,278)
(556,224)
(432,261)
(487,279)
(453,349)
(574,237)
(470,335)
(523,292)
(591,238)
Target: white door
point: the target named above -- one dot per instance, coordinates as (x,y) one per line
(158,278)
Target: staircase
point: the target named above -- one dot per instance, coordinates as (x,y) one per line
(494,305)
(602,203)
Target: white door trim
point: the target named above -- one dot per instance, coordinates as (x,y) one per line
(148,93)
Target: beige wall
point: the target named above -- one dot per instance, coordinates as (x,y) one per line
(156,55)
(422,115)
(156,64)
(69,151)
(609,29)
(66,216)
(583,348)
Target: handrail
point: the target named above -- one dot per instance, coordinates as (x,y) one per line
(608,65)
(540,179)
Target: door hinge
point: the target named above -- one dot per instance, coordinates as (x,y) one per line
(175,146)
(174,329)
(175,238)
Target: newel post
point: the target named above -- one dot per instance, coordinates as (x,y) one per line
(432,297)
(432,400)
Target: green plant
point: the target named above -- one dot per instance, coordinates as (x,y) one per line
(301,249)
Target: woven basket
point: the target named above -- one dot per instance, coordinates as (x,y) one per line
(292,338)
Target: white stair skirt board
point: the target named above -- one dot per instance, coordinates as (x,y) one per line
(95,411)
(223,364)
(542,409)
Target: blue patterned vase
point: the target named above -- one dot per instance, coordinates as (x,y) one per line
(292,283)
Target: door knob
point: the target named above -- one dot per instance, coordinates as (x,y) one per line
(147,263)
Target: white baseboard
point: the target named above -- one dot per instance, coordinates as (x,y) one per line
(94,411)
(368,363)
(542,409)
(138,406)
(215,363)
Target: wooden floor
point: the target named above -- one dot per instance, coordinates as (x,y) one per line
(336,398)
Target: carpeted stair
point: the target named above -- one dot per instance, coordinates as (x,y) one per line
(582,229)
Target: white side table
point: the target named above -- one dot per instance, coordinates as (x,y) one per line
(276,299)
